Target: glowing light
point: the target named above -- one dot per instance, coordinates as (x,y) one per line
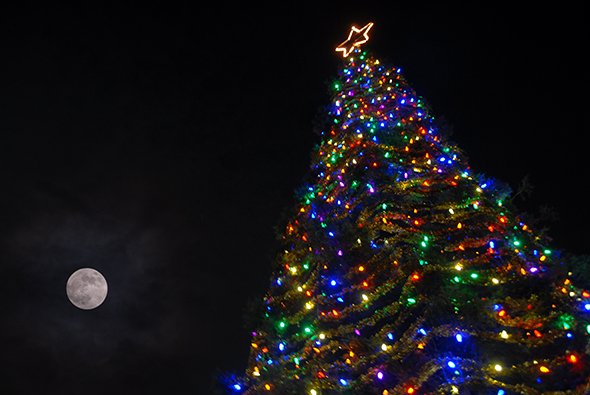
(459,338)
(451,364)
(356,38)
(459,267)
(313,392)
(237,387)
(410,390)
(498,368)
(343,382)
(544,369)
(267,387)
(380,375)
(384,347)
(495,280)
(504,335)
(573,359)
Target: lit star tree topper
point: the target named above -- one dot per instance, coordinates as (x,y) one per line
(356,38)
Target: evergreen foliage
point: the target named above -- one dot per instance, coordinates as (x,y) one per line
(403,272)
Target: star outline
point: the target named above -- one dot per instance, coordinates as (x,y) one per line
(356,38)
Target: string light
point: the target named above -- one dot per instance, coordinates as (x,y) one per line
(371,236)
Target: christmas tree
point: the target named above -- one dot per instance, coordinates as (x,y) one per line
(403,272)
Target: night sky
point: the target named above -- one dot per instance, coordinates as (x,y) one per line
(159,145)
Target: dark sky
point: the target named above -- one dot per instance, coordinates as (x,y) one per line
(160,144)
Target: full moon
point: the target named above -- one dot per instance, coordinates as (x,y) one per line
(86,289)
